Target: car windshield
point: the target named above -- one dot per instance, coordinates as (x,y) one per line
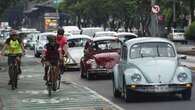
(78,42)
(152,50)
(106,45)
(179,30)
(43,37)
(124,38)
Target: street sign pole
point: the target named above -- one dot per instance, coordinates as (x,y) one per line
(153,23)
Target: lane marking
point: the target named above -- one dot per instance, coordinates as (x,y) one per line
(100,96)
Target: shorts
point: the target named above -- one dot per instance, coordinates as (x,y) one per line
(11,58)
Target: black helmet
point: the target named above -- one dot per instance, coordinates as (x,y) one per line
(51,38)
(60,31)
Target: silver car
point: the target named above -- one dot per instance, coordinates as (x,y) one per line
(40,42)
(150,65)
(76,45)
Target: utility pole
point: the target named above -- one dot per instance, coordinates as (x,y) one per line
(153,21)
(174,13)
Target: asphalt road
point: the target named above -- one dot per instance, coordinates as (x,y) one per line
(104,87)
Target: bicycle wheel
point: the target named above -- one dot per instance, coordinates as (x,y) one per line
(49,88)
(54,85)
(11,73)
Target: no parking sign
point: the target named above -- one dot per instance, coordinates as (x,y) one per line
(155,9)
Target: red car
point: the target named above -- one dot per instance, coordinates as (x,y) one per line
(100,55)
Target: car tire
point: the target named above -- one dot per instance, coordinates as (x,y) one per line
(116,92)
(186,95)
(82,72)
(36,54)
(126,93)
(88,76)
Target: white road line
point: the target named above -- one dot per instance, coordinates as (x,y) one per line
(102,97)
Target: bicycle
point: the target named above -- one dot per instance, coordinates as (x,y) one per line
(13,72)
(53,78)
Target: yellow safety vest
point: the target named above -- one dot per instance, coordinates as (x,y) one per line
(14,47)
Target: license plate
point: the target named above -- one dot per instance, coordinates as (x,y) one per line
(160,88)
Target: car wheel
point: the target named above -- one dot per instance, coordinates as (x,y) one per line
(116,93)
(82,72)
(126,94)
(186,95)
(36,54)
(89,76)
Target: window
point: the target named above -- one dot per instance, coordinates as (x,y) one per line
(152,50)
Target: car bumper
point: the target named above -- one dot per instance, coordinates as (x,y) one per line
(165,88)
(72,65)
(100,72)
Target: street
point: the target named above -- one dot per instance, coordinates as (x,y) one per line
(75,93)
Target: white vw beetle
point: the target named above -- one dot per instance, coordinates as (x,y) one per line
(150,65)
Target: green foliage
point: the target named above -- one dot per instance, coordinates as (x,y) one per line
(190,33)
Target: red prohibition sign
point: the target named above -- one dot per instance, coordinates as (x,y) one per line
(155,9)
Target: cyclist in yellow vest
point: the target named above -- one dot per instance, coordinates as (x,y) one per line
(14,49)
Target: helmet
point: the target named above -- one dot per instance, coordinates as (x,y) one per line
(13,33)
(51,38)
(60,31)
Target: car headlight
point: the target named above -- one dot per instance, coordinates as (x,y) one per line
(40,48)
(93,63)
(136,77)
(182,77)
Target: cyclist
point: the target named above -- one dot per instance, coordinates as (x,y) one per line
(14,49)
(62,41)
(51,55)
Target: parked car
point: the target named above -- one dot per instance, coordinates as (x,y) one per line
(124,36)
(150,65)
(177,35)
(100,55)
(76,45)
(104,33)
(41,41)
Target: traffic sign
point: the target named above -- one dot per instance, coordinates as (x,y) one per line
(155,9)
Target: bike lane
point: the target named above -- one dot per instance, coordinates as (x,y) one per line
(32,94)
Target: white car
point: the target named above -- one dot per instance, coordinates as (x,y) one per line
(90,31)
(41,41)
(124,36)
(72,29)
(150,65)
(177,35)
(104,33)
(76,45)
